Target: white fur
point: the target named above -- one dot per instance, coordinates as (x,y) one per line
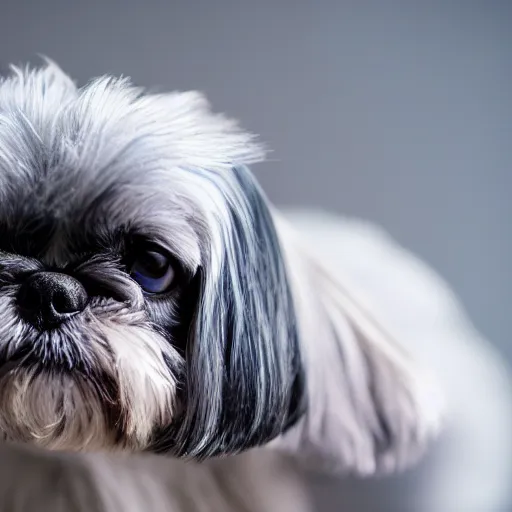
(84,127)
(470,467)
(148,390)
(357,372)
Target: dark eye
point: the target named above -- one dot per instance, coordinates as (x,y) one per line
(152,269)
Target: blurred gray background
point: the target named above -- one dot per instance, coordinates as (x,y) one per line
(400,113)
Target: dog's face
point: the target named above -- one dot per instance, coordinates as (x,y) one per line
(144,303)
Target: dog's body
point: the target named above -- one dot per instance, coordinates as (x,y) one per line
(152,301)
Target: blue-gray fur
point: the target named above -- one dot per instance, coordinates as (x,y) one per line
(246,325)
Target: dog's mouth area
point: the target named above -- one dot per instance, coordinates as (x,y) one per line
(60,410)
(53,354)
(32,357)
(67,347)
(103,380)
(59,370)
(23,358)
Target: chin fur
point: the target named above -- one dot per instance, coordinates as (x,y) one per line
(105,382)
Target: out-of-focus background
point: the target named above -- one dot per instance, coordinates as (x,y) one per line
(400,113)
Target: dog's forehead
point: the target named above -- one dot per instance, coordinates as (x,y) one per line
(66,154)
(57,141)
(82,187)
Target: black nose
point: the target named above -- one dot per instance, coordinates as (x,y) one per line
(49,298)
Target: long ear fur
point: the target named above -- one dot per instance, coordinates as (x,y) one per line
(370,408)
(245,382)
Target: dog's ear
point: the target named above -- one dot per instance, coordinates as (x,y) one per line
(371,408)
(244,382)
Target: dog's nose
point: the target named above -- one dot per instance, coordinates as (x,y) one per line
(49,298)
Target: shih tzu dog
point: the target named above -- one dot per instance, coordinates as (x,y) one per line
(153,302)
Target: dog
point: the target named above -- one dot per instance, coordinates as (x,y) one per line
(167,339)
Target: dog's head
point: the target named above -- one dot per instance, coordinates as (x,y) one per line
(144,293)
(144,301)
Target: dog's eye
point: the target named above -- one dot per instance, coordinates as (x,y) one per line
(153,271)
